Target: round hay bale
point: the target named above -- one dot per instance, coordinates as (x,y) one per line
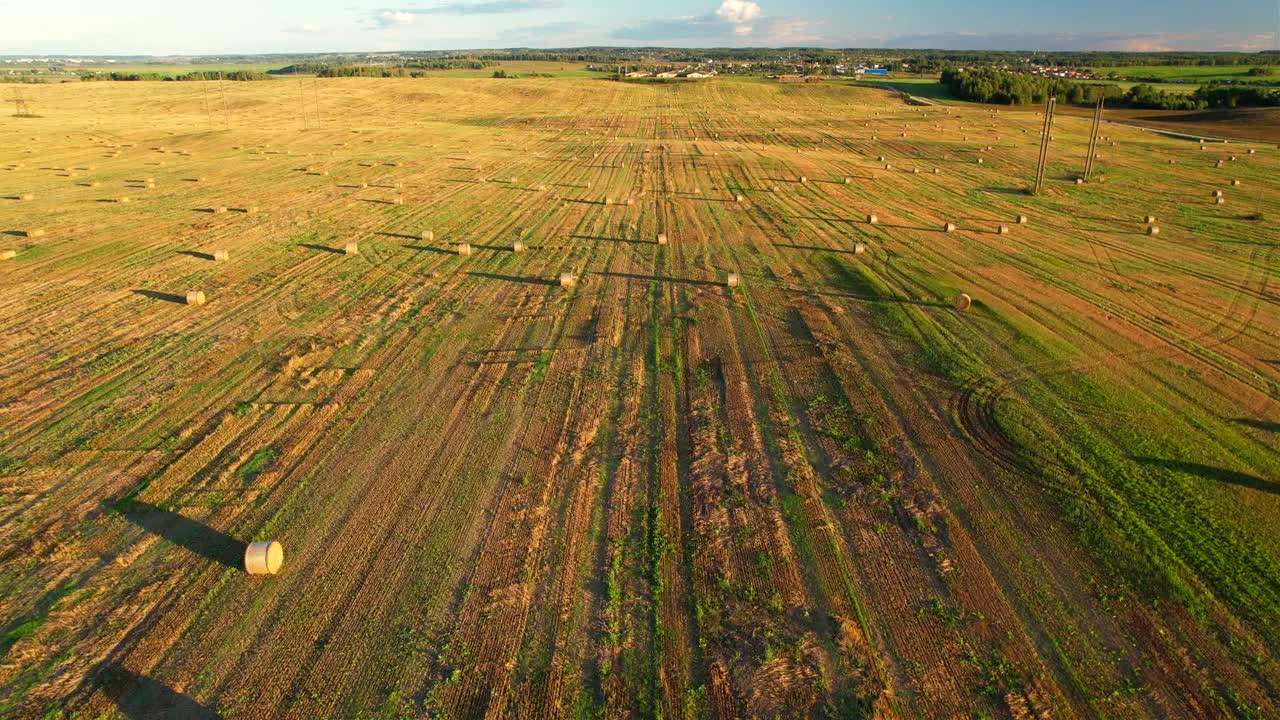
(122,200)
(517,246)
(1023,219)
(1003,230)
(739,198)
(1153,230)
(398,200)
(880,158)
(351,248)
(567,280)
(662,238)
(1150,219)
(33,232)
(859,248)
(27,196)
(979,161)
(887,166)
(872,219)
(251,210)
(264,557)
(218,210)
(8,254)
(1252,151)
(937,171)
(608,201)
(631,202)
(462,248)
(195,297)
(1079,181)
(848,181)
(1221,201)
(221,256)
(963,302)
(949,227)
(428,235)
(733,280)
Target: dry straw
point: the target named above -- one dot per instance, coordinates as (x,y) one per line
(195,297)
(517,246)
(662,238)
(462,248)
(219,210)
(949,227)
(1153,230)
(567,280)
(264,557)
(859,248)
(8,254)
(34,232)
(428,235)
(963,302)
(872,219)
(733,280)
(1150,219)
(221,255)
(27,196)
(351,249)
(1003,230)
(1023,220)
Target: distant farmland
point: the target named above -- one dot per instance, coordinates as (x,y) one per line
(824,493)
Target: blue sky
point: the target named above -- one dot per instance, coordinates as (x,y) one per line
(158,27)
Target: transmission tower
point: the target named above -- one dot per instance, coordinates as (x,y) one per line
(21,109)
(1093,141)
(1045,133)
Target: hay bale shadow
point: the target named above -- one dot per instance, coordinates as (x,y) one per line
(195,536)
(322,248)
(166,297)
(515,278)
(196,254)
(138,697)
(429,248)
(1209,472)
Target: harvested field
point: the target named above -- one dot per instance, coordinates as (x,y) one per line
(825,492)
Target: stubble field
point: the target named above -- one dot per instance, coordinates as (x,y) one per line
(825,493)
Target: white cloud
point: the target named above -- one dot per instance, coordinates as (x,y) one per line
(738,12)
(393,18)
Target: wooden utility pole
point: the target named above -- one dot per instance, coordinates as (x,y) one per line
(1045,132)
(1093,141)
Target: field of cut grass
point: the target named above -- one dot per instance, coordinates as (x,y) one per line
(1185,73)
(825,493)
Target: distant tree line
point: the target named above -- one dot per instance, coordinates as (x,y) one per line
(410,68)
(989,85)
(237,75)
